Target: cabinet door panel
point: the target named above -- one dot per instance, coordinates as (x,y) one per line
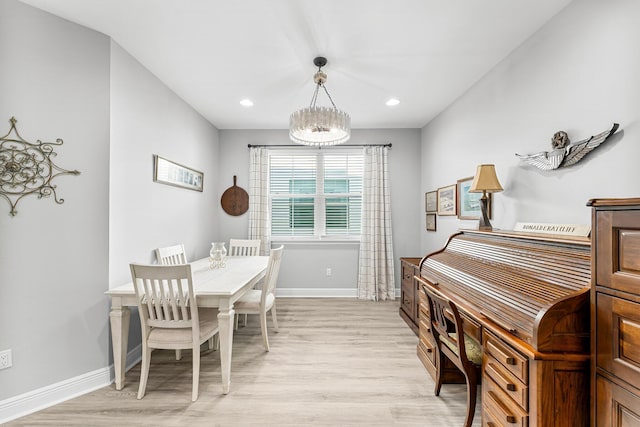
(616,406)
(618,250)
(618,337)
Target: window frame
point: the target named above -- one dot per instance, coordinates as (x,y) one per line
(319,197)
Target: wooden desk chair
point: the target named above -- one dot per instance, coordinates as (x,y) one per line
(171,255)
(168,315)
(238,247)
(260,301)
(465,353)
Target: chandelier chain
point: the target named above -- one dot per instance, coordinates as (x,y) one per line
(328,96)
(314,98)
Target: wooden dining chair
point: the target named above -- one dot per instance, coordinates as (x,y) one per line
(171,255)
(243,247)
(170,317)
(261,301)
(239,247)
(455,345)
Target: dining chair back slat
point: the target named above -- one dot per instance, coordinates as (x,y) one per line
(240,247)
(171,255)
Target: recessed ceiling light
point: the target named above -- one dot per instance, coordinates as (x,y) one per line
(246,103)
(392,102)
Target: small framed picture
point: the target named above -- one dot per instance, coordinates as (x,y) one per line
(431,201)
(431,221)
(447,200)
(469,203)
(172,173)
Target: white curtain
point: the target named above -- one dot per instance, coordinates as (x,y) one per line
(258,199)
(375,275)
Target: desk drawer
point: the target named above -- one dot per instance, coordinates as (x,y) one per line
(407,272)
(427,350)
(508,357)
(423,302)
(508,383)
(490,420)
(618,337)
(426,338)
(471,328)
(503,410)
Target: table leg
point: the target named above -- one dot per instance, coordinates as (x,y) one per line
(225,323)
(119,317)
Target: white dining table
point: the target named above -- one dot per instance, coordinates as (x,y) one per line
(218,288)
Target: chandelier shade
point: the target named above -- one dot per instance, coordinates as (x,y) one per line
(319,126)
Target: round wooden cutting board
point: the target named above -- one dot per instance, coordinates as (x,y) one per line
(235,201)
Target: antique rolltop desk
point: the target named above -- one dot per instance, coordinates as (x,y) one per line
(525,298)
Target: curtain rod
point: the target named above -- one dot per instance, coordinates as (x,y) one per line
(329,146)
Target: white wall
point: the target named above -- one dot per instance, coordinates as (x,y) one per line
(579,73)
(61,80)
(147,118)
(54,257)
(303,270)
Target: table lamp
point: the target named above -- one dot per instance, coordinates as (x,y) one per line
(485,182)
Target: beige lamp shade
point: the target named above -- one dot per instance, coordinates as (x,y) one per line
(485,180)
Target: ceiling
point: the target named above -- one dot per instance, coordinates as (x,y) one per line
(214,53)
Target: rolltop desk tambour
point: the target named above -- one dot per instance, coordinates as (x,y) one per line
(615,315)
(525,298)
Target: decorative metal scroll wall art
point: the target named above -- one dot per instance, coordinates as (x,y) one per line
(564,152)
(26,168)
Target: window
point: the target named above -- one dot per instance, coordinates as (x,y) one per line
(315,195)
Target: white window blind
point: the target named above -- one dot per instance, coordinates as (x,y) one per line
(315,194)
(342,193)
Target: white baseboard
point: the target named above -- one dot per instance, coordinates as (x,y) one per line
(44,397)
(320,293)
(36,400)
(316,293)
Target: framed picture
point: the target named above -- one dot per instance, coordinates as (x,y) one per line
(172,173)
(469,203)
(447,200)
(431,201)
(431,221)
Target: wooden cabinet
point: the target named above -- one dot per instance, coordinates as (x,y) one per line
(615,312)
(409,304)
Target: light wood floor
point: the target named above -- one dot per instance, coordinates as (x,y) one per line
(335,362)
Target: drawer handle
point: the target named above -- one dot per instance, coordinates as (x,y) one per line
(511,419)
(500,378)
(509,360)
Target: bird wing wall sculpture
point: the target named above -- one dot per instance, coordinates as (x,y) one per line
(565,153)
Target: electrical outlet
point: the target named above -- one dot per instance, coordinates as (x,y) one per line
(328,271)
(5,359)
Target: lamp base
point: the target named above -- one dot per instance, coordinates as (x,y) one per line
(484,223)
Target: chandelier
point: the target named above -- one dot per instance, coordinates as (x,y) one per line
(319,126)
